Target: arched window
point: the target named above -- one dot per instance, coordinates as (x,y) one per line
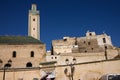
(29,64)
(32,54)
(55,57)
(14,54)
(90,34)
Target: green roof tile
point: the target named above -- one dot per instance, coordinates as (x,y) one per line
(18,40)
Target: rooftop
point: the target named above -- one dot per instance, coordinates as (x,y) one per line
(18,40)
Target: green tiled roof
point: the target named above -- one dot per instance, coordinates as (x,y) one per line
(18,40)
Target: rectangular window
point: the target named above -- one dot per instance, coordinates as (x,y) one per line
(32,54)
(14,54)
(88,43)
(104,40)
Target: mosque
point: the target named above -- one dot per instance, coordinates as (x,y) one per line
(72,58)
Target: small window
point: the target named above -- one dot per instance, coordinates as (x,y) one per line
(55,57)
(85,51)
(51,57)
(1,62)
(65,39)
(90,34)
(92,49)
(75,42)
(14,54)
(32,54)
(105,47)
(33,28)
(88,43)
(84,42)
(104,40)
(29,64)
(34,19)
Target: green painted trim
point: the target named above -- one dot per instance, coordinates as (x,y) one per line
(47,63)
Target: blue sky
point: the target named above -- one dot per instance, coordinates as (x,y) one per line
(61,18)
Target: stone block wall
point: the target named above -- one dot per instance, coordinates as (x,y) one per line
(21,55)
(88,45)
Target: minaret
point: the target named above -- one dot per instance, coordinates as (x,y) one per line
(34,22)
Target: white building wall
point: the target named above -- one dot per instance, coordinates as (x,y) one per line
(101,42)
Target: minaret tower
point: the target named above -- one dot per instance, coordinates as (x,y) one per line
(34,22)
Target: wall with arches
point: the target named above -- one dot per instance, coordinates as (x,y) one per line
(22,55)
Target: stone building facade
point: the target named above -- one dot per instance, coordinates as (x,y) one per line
(25,54)
(90,43)
(20,56)
(83,58)
(22,51)
(83,66)
(71,58)
(94,43)
(63,46)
